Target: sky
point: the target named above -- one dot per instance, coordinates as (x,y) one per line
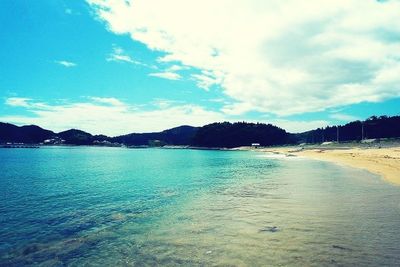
(119,66)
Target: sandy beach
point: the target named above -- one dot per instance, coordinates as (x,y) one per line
(383,161)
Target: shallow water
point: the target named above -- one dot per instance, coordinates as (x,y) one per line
(122,207)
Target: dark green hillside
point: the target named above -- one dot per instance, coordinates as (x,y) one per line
(230,135)
(224,134)
(176,136)
(372,128)
(29,134)
(76,137)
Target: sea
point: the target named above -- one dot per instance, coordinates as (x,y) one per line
(98,206)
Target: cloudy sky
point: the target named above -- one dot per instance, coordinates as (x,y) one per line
(120,66)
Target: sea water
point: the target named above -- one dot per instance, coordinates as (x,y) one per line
(144,207)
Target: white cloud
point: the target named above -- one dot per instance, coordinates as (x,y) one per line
(124,58)
(25,103)
(110,116)
(170,73)
(299,126)
(108,100)
(283,57)
(389,74)
(165,103)
(176,68)
(217,100)
(67,64)
(166,75)
(344,117)
(18,101)
(205,80)
(119,55)
(237,108)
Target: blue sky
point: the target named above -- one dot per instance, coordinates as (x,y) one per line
(116,67)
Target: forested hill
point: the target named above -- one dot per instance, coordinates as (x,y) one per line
(181,135)
(32,134)
(224,134)
(240,134)
(372,128)
(28,134)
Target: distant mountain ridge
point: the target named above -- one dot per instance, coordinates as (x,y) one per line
(224,134)
(181,135)
(32,134)
(237,134)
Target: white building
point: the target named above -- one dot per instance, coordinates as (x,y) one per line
(255,145)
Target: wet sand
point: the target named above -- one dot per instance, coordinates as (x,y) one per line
(382,161)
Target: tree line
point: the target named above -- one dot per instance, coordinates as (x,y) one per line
(372,128)
(224,134)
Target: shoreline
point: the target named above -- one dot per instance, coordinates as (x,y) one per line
(383,161)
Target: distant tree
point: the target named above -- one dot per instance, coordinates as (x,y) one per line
(373,127)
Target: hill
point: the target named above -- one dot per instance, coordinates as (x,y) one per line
(230,135)
(76,137)
(220,135)
(372,128)
(32,134)
(29,134)
(181,135)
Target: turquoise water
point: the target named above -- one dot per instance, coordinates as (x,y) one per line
(124,207)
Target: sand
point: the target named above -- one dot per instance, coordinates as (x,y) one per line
(382,161)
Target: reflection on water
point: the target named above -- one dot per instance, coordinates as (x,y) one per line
(101,206)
